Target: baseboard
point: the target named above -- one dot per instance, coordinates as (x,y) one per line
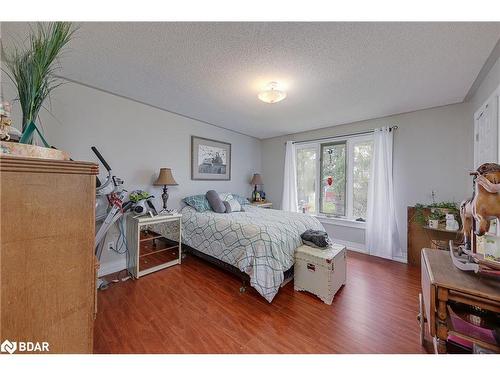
(400,259)
(356,246)
(112,267)
(361,248)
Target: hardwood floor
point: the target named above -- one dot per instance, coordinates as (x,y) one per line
(197,308)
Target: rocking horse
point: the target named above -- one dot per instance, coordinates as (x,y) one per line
(483,207)
(476,214)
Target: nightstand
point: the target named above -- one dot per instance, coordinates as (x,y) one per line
(154,243)
(262,204)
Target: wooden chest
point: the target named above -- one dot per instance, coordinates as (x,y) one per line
(320,272)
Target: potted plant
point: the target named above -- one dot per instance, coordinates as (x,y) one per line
(434,217)
(33,67)
(438,211)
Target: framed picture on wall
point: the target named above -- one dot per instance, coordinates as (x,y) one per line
(210,159)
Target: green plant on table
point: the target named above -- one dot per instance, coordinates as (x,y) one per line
(436,214)
(437,211)
(32,67)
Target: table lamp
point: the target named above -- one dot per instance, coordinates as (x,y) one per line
(165,179)
(256,180)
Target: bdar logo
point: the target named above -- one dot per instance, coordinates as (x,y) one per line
(8,346)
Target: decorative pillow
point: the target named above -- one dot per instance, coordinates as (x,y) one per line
(234,204)
(225,196)
(228,207)
(240,199)
(215,201)
(198,202)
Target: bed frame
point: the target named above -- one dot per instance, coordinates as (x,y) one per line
(245,278)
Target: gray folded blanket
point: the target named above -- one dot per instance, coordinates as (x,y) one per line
(315,238)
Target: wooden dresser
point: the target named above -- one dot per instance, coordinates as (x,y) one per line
(47,262)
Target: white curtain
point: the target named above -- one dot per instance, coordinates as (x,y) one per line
(382,236)
(289,200)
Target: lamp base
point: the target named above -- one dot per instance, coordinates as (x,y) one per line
(164,197)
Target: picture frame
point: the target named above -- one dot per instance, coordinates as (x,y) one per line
(210,159)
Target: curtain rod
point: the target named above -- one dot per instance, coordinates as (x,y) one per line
(344,135)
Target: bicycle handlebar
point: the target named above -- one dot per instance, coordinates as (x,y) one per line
(99,156)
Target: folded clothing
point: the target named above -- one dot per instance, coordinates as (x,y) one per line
(315,238)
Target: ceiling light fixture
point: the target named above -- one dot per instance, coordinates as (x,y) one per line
(272,95)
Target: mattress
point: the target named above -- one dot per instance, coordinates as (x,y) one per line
(260,242)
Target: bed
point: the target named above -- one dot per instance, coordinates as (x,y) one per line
(259,242)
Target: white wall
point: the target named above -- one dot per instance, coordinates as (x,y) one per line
(136,140)
(432,151)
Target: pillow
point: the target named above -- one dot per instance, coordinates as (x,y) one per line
(234,205)
(225,196)
(228,207)
(215,201)
(240,199)
(198,202)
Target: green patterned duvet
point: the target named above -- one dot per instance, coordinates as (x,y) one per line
(260,242)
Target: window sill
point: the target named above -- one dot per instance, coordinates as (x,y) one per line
(341,221)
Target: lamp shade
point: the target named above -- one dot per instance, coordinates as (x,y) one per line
(257,179)
(165,178)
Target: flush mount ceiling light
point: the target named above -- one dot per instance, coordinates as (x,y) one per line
(272,95)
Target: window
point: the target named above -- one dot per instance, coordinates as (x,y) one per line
(332,177)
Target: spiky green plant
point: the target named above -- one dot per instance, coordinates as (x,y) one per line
(33,67)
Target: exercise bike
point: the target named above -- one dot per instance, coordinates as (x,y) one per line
(110,207)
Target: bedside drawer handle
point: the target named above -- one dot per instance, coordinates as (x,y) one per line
(311,267)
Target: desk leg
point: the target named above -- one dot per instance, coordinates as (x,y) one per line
(420,318)
(442,326)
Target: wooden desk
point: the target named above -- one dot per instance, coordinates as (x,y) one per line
(442,283)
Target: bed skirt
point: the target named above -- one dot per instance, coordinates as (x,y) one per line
(245,278)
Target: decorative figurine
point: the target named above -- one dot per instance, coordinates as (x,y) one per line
(451,223)
(5,120)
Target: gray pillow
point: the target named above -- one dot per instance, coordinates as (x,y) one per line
(228,207)
(215,201)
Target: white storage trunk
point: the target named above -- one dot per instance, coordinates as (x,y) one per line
(321,272)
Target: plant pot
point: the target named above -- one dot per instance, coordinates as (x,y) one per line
(31,151)
(434,224)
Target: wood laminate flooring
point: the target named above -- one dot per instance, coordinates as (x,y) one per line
(197,308)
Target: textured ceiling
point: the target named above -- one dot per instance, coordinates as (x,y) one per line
(334,73)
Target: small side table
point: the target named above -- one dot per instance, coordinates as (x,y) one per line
(262,204)
(154,243)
